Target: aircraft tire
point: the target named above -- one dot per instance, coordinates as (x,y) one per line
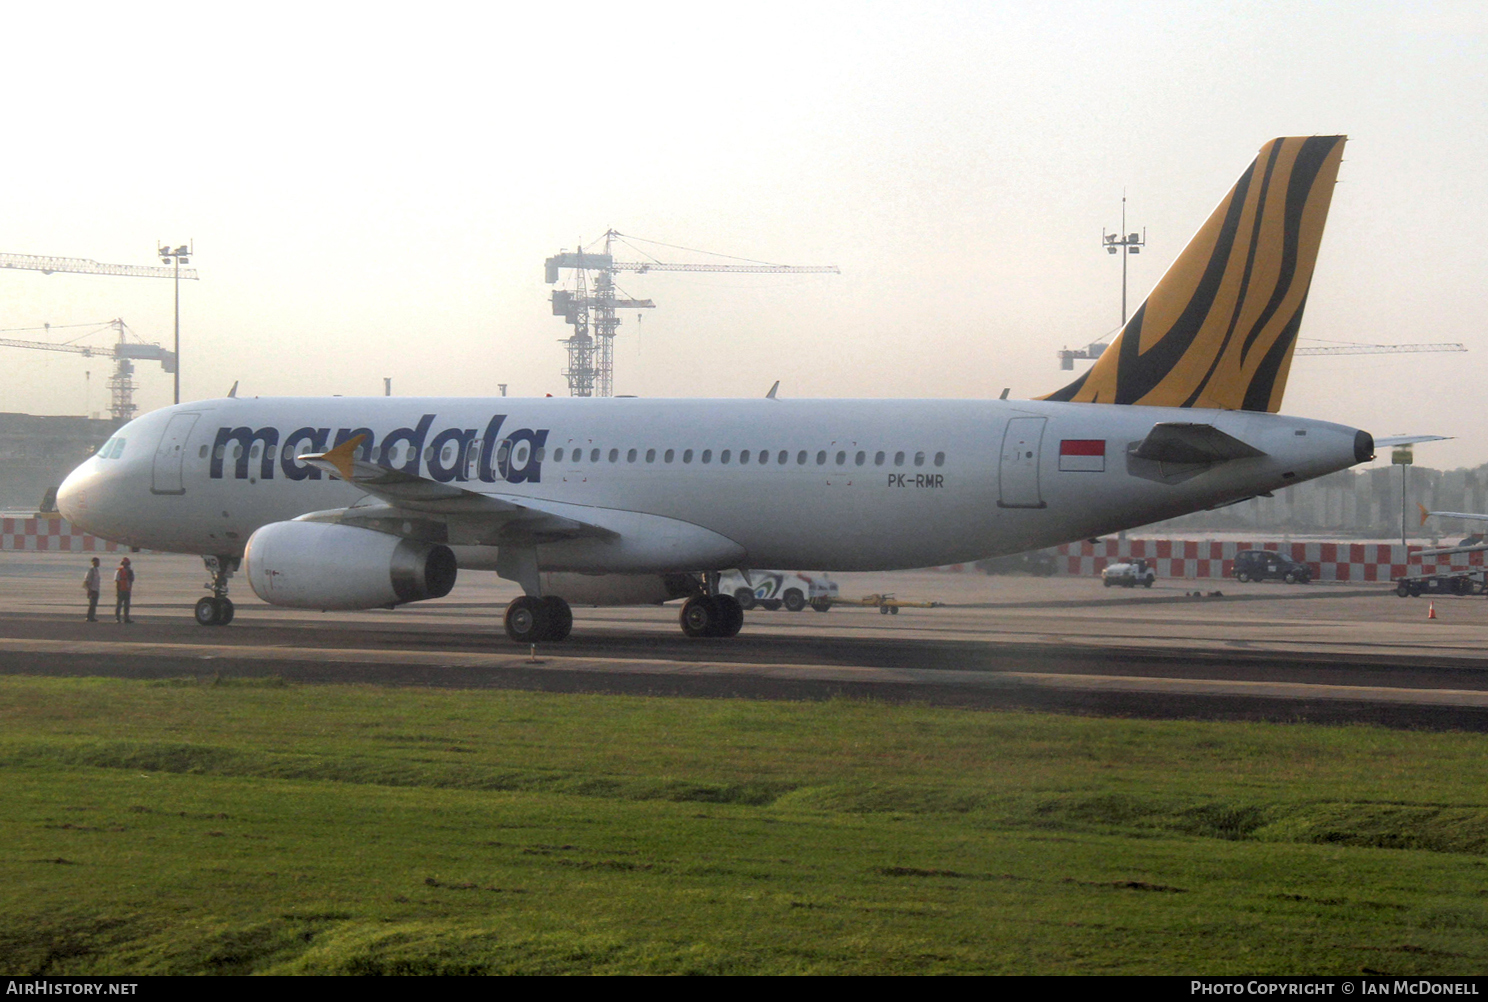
(730,616)
(744,597)
(794,600)
(225,611)
(526,620)
(560,618)
(699,616)
(206,612)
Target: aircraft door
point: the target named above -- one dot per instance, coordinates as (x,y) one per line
(1018,472)
(170,454)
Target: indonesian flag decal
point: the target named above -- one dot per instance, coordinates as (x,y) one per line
(1082,455)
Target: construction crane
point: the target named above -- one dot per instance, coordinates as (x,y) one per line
(124,352)
(83,266)
(592,308)
(1068,356)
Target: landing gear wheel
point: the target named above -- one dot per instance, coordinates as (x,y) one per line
(224,611)
(560,618)
(745,598)
(699,616)
(206,612)
(730,616)
(794,600)
(526,620)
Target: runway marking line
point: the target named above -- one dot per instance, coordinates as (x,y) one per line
(797,672)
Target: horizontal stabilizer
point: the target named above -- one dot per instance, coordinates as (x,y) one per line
(1394,440)
(1179,442)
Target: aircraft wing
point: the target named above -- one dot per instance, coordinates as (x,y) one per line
(410,498)
(1450,514)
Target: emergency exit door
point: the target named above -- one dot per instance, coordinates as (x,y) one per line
(170,454)
(1018,472)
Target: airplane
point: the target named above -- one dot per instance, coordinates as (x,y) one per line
(360,503)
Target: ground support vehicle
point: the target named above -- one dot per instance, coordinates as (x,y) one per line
(770,590)
(887,604)
(1261,565)
(1452,583)
(1129,574)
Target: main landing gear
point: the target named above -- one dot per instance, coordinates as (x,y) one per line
(533,620)
(217,610)
(712,616)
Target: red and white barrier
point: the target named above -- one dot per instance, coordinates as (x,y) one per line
(44,533)
(1179,558)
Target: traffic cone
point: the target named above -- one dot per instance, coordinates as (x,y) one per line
(1431,611)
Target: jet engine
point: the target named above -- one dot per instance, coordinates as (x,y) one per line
(322,565)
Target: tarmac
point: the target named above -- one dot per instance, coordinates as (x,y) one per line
(1258,651)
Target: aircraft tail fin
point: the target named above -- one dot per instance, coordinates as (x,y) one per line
(1220,327)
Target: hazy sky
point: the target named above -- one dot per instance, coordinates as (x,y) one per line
(373,188)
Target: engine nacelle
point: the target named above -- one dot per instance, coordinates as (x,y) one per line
(322,565)
(618,589)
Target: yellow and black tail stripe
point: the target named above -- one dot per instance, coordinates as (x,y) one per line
(1219,329)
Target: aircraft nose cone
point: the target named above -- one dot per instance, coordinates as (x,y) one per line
(72,498)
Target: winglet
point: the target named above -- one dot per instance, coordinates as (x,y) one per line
(341,456)
(771,394)
(1424,513)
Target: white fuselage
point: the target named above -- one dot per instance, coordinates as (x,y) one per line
(845,485)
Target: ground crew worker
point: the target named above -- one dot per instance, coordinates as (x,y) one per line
(123,585)
(92,584)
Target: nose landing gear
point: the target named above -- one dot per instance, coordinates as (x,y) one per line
(217,610)
(712,616)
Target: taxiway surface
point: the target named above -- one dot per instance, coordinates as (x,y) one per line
(1259,651)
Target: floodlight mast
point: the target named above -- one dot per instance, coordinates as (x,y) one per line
(177,257)
(1125,243)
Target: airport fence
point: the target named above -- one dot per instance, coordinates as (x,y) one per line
(1200,559)
(50,533)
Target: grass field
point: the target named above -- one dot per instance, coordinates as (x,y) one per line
(206,827)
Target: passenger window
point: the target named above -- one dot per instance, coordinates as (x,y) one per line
(614,454)
(650,455)
(557,455)
(707,456)
(821,458)
(841,458)
(919,459)
(743,456)
(878,459)
(593,455)
(801,458)
(898,459)
(764,457)
(257,450)
(940,459)
(783,457)
(859,458)
(669,454)
(723,457)
(519,455)
(502,452)
(630,457)
(217,452)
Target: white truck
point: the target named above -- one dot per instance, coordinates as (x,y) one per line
(1129,574)
(772,589)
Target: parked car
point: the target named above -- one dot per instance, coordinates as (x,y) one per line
(1261,565)
(1129,574)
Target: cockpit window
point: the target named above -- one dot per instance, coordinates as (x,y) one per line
(112,449)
